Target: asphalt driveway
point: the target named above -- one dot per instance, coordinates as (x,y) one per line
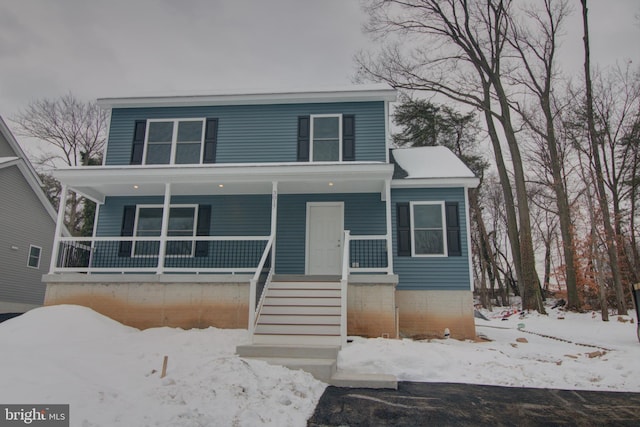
(437,404)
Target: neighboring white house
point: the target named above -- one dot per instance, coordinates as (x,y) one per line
(27,225)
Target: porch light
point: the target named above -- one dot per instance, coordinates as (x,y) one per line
(330,184)
(220,185)
(136,187)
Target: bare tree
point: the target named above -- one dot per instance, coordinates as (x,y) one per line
(456,48)
(536,50)
(595,140)
(74,134)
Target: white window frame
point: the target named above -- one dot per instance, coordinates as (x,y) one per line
(31,247)
(174,139)
(444,230)
(160,237)
(311,141)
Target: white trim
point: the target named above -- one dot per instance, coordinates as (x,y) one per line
(387,135)
(174,139)
(312,118)
(435,182)
(468,225)
(444,229)
(389,236)
(307,228)
(62,203)
(37,267)
(353,93)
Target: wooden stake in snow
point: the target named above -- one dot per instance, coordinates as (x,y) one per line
(164,367)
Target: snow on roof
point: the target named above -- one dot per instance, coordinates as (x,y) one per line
(431,163)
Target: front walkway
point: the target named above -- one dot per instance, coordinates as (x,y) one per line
(438,404)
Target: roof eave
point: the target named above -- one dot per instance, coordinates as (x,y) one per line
(353,94)
(466,182)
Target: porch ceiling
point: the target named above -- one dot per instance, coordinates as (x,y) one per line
(99,182)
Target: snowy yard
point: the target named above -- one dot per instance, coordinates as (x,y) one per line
(110,373)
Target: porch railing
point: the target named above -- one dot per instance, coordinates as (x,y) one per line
(255,301)
(367,254)
(201,254)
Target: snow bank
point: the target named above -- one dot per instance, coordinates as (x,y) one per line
(540,362)
(109,373)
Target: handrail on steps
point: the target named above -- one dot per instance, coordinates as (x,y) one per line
(343,287)
(254,282)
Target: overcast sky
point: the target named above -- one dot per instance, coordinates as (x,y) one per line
(104,48)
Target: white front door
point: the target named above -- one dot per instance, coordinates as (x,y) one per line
(325,225)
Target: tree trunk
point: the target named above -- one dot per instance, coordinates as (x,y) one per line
(612,250)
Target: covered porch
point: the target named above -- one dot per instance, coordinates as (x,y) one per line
(235,225)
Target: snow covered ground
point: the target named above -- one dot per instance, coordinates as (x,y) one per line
(110,373)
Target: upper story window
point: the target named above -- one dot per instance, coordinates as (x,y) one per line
(326,138)
(174,142)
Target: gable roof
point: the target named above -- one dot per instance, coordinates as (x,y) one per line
(353,93)
(25,167)
(431,166)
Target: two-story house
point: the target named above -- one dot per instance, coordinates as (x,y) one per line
(286,213)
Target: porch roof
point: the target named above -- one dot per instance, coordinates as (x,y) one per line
(98,182)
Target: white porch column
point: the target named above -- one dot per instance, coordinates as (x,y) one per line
(59,224)
(165,228)
(387,192)
(274,222)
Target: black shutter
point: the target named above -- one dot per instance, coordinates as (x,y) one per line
(348,137)
(137,148)
(202,229)
(128,221)
(303,138)
(210,141)
(403,224)
(453,229)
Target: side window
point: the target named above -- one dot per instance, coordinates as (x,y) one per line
(428,229)
(34,256)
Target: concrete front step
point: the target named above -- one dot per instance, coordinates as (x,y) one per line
(303,340)
(309,351)
(357,380)
(321,369)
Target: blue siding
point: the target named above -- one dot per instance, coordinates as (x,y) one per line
(233,215)
(363,214)
(255,133)
(448,273)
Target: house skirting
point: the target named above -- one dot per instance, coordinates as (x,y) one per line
(147,301)
(374,307)
(427,313)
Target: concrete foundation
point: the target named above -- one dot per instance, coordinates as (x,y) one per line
(146,301)
(428,313)
(371,310)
